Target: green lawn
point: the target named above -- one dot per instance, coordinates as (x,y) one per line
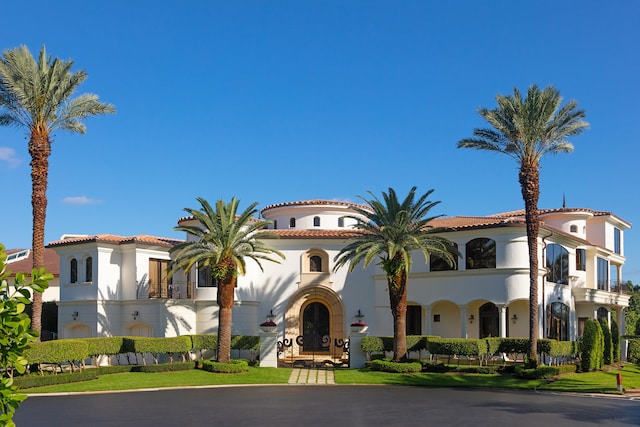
(598,382)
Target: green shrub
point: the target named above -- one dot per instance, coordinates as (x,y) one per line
(108,346)
(58,351)
(29,381)
(245,342)
(165,367)
(633,352)
(607,350)
(395,367)
(476,369)
(615,340)
(416,343)
(541,372)
(514,346)
(234,367)
(590,350)
(372,345)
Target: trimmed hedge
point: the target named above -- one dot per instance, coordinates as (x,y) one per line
(165,367)
(57,352)
(541,372)
(233,367)
(385,344)
(591,346)
(633,352)
(615,340)
(28,381)
(395,367)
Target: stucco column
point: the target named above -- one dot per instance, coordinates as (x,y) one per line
(622,328)
(502,320)
(357,357)
(463,318)
(427,320)
(269,349)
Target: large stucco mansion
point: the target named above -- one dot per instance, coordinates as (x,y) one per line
(114,285)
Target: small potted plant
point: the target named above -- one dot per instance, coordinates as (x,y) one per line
(358,326)
(268,326)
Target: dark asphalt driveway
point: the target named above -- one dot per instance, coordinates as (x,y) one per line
(326,406)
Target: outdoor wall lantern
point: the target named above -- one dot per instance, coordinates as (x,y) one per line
(359,316)
(135,314)
(514,319)
(74,315)
(271,316)
(471,319)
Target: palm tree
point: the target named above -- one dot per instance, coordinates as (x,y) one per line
(224,239)
(37,96)
(526,130)
(389,232)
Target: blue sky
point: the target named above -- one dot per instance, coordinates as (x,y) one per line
(276,101)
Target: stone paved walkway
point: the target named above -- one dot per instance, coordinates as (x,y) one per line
(311,376)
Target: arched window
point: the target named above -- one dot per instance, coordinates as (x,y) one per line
(341,222)
(316,221)
(74,270)
(88,270)
(481,253)
(292,223)
(573,228)
(489,323)
(581,259)
(315,264)
(558,321)
(437,263)
(316,325)
(414,320)
(603,313)
(557,259)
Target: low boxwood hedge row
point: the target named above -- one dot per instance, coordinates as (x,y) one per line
(28,381)
(76,351)
(481,348)
(395,367)
(233,367)
(539,373)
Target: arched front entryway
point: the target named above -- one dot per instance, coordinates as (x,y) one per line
(314,320)
(489,320)
(316,325)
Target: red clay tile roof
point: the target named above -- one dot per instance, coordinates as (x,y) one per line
(314,234)
(316,202)
(24,265)
(117,240)
(555,210)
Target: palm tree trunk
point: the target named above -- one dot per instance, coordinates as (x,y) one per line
(39,149)
(530,186)
(226,289)
(398,301)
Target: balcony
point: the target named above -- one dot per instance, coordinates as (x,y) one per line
(174,290)
(613,293)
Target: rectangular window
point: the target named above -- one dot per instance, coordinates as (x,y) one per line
(414,320)
(205,280)
(158,278)
(603,274)
(436,317)
(616,241)
(88,267)
(581,322)
(581,259)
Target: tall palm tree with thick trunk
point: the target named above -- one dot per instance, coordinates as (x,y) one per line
(527,129)
(389,231)
(37,96)
(224,239)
